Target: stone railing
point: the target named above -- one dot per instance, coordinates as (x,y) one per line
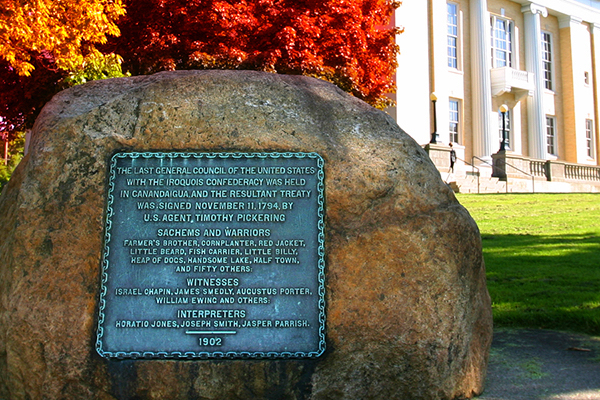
(507,79)
(546,169)
(538,168)
(522,76)
(582,172)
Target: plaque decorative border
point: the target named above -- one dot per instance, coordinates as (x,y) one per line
(186,354)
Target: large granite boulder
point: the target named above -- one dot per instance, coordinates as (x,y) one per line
(408,312)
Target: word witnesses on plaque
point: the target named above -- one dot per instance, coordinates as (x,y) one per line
(213,255)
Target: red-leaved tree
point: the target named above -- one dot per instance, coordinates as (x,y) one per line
(348,42)
(22,97)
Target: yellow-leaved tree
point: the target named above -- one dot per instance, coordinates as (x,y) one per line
(57,26)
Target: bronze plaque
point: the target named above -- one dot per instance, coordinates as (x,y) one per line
(213,255)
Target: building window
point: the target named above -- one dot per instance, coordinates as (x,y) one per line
(508,125)
(589,137)
(547,59)
(453,35)
(551,135)
(454,121)
(501,42)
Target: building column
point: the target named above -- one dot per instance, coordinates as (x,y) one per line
(413,73)
(533,64)
(575,45)
(439,67)
(595,28)
(485,137)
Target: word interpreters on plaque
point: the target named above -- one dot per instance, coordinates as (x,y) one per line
(213,255)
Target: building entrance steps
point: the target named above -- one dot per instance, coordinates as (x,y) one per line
(513,173)
(461,183)
(469,184)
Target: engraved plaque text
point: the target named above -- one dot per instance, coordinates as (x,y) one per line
(213,255)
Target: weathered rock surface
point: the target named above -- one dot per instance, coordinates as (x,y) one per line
(408,312)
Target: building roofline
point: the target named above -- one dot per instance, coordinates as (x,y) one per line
(573,8)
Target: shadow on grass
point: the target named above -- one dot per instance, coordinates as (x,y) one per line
(548,282)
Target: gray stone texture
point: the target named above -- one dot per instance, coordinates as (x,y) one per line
(408,312)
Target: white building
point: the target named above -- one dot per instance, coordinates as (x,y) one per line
(541,60)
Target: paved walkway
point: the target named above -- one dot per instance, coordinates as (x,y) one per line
(530,364)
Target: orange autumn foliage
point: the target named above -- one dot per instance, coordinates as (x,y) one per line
(56,26)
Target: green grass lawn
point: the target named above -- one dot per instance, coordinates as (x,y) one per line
(542,254)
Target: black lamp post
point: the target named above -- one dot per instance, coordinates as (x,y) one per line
(504,142)
(434,135)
